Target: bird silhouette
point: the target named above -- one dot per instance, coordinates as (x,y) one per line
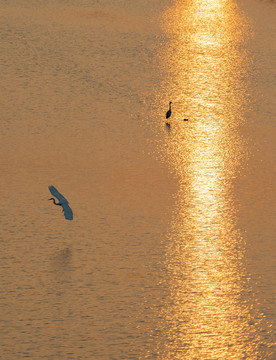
(68,213)
(169,112)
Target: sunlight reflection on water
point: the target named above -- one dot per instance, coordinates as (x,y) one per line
(209,314)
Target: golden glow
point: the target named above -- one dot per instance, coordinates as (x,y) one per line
(207,318)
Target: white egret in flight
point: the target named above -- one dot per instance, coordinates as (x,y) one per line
(68,213)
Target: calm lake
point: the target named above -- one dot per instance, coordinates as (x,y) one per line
(171,252)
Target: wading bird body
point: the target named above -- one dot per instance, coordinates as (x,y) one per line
(68,213)
(169,112)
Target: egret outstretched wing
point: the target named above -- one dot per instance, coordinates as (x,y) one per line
(68,213)
(57,194)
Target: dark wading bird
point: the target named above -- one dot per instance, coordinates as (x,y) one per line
(168,114)
(68,213)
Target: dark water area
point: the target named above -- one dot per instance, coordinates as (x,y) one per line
(170,254)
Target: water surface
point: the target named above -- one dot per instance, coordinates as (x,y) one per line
(171,251)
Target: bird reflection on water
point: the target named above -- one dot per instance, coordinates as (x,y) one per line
(63,257)
(168,125)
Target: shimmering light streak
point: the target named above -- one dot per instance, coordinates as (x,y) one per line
(208,316)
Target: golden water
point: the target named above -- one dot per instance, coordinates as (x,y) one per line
(170,254)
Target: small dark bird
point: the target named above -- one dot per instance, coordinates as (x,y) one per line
(68,213)
(185,119)
(169,112)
